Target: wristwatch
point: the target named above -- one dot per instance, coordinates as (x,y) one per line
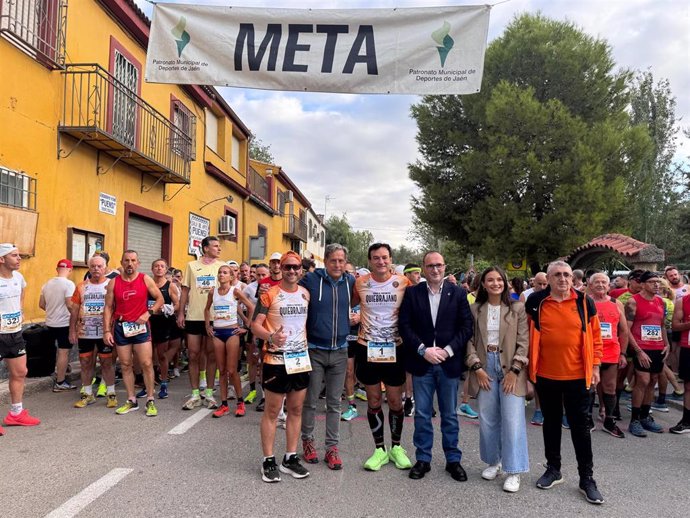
(515,370)
(476,366)
(421,349)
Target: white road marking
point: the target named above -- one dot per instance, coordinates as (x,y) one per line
(78,502)
(185,425)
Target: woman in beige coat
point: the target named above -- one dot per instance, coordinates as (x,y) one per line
(497,361)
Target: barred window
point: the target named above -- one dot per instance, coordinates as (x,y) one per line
(17,190)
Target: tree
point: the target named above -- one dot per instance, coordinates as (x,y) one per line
(536,163)
(338,230)
(656,186)
(260,151)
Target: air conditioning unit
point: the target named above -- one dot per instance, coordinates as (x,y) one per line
(290,196)
(226,226)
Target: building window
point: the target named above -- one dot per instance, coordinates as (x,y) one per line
(234,215)
(184,142)
(124,100)
(82,244)
(282,199)
(17,190)
(236,150)
(323,238)
(211,131)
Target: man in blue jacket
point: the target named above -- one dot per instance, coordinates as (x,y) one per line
(435,324)
(328,324)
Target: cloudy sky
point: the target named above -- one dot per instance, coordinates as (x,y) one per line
(355,148)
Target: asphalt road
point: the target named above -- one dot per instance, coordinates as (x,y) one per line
(99,464)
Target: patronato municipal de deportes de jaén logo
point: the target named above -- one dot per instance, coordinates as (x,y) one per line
(182,37)
(445,42)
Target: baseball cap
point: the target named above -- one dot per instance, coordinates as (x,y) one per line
(64,263)
(648,275)
(399,269)
(635,274)
(275,256)
(363,271)
(6,248)
(233,263)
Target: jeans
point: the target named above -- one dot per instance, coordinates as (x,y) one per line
(574,395)
(502,428)
(446,390)
(331,366)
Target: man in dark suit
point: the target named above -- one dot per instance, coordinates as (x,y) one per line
(435,325)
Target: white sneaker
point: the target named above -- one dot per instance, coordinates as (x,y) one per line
(512,483)
(211,403)
(491,472)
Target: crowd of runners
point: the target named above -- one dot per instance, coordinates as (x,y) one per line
(281,335)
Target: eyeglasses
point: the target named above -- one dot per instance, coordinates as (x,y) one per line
(653,281)
(435,266)
(293,267)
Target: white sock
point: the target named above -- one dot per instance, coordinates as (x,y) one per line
(16,408)
(289,454)
(88,390)
(111,389)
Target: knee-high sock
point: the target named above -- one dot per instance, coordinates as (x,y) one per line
(375,417)
(395,420)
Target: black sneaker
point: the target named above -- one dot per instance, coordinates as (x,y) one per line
(261,405)
(293,467)
(269,471)
(550,478)
(409,407)
(611,428)
(588,487)
(681,427)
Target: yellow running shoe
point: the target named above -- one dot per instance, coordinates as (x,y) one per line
(112,401)
(86,399)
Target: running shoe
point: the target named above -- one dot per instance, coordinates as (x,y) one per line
(260,406)
(269,471)
(62,387)
(21,419)
(651,426)
(241,410)
(564,422)
(550,478)
(349,414)
(192,403)
(129,406)
(112,401)
(250,397)
(399,457)
(102,390)
(292,466)
(466,410)
(361,394)
(681,427)
(611,428)
(378,459)
(211,402)
(244,377)
(309,450)
(86,399)
(282,421)
(408,408)
(588,487)
(163,392)
(537,418)
(332,458)
(142,393)
(222,410)
(635,428)
(151,410)
(676,396)
(660,407)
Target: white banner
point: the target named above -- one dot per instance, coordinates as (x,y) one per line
(437,50)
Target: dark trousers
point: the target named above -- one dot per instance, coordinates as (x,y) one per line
(574,396)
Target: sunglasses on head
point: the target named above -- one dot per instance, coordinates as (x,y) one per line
(293,267)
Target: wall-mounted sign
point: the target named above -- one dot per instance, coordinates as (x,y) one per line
(107,203)
(199,228)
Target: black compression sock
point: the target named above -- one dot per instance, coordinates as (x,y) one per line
(375,418)
(396,420)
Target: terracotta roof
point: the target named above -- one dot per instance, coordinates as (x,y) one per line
(623,245)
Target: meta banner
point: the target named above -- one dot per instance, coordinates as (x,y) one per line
(437,50)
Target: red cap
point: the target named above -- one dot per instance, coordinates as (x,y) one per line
(64,263)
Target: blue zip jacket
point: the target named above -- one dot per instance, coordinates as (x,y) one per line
(328,320)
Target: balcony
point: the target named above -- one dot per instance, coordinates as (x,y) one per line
(259,186)
(37,27)
(102,111)
(295,228)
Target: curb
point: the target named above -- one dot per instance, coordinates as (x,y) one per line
(34,385)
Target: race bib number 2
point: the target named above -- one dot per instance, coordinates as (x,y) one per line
(296,362)
(651,333)
(133,329)
(11,322)
(381,352)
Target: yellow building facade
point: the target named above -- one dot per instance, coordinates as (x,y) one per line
(94,158)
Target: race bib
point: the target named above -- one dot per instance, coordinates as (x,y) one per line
(606,331)
(650,333)
(205,282)
(222,312)
(296,362)
(381,352)
(133,329)
(11,322)
(94,309)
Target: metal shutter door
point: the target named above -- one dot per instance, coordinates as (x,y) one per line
(146,237)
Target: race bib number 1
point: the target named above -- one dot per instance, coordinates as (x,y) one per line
(11,322)
(133,329)
(606,331)
(381,352)
(297,362)
(651,333)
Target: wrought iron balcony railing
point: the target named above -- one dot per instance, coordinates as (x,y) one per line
(259,186)
(101,110)
(295,228)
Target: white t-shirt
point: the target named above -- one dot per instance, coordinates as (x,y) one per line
(55,291)
(251,292)
(11,317)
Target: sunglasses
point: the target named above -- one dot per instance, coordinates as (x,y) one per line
(293,267)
